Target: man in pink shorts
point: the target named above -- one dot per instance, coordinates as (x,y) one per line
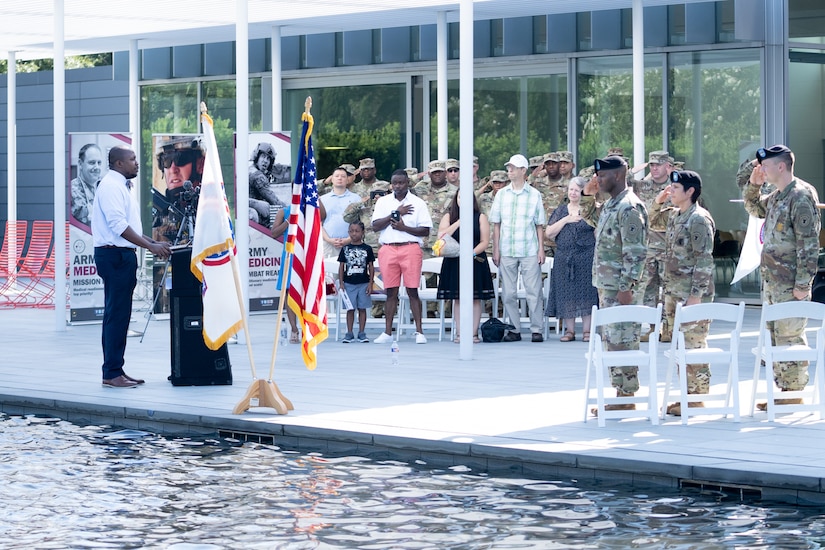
(402,219)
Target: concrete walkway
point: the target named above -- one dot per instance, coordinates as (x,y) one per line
(516,407)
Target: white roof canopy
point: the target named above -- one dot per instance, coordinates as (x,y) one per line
(94,26)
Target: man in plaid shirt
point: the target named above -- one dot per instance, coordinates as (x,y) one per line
(518,220)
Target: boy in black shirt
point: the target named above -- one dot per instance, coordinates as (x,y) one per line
(356,272)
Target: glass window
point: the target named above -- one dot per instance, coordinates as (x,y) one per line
(605,87)
(806,21)
(714,123)
(351,123)
(525,115)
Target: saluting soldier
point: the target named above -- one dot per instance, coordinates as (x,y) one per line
(687,267)
(437,193)
(621,245)
(789,253)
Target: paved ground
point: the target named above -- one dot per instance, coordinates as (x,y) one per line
(515,406)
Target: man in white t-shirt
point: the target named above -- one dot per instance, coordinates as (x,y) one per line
(402,219)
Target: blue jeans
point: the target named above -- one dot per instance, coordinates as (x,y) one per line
(118,269)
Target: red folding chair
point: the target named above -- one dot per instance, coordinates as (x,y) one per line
(14,242)
(33,264)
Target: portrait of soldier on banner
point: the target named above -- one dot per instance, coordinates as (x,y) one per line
(176,179)
(264,174)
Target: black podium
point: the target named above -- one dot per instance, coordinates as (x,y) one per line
(193,364)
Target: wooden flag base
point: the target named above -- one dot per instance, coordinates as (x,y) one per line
(263,393)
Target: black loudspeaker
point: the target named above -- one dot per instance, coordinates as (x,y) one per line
(818,287)
(193,364)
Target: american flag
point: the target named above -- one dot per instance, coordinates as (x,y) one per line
(307,292)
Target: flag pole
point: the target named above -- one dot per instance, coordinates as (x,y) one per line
(284,291)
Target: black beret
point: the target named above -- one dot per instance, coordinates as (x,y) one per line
(766,153)
(608,163)
(686,177)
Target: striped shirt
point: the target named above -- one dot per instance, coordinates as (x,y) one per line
(518,213)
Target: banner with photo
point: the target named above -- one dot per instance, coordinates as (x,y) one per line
(270,192)
(87,166)
(177,170)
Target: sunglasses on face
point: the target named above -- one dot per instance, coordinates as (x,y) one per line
(452,170)
(178,158)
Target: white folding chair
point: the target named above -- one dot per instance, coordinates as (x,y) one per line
(429,266)
(765,351)
(547,270)
(600,360)
(679,357)
(496,285)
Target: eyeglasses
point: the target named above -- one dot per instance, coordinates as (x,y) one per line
(178,158)
(452,169)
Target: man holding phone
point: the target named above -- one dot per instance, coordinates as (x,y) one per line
(403,220)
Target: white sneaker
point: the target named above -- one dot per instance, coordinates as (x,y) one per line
(420,338)
(384,338)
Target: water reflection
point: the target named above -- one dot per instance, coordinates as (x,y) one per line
(69,486)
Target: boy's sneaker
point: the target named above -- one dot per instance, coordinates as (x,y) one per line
(384,338)
(348,337)
(420,338)
(362,337)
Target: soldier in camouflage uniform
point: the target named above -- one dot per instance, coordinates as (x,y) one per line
(688,267)
(789,253)
(621,245)
(498,180)
(566,165)
(554,191)
(437,193)
(368,181)
(647,189)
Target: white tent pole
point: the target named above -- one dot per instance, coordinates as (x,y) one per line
(242,144)
(638,84)
(277,82)
(59,121)
(466,184)
(11,153)
(441,77)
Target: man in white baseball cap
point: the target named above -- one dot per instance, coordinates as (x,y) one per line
(518,220)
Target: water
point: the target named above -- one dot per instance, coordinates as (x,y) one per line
(69,486)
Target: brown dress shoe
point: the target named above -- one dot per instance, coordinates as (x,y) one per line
(135,380)
(119,382)
(764,406)
(675,409)
(618,407)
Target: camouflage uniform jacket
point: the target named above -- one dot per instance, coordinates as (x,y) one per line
(621,240)
(438,201)
(743,176)
(363,190)
(791,232)
(647,190)
(553,194)
(688,256)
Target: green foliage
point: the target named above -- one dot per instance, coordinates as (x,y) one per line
(71,62)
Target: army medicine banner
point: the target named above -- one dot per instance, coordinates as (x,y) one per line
(88,153)
(270,191)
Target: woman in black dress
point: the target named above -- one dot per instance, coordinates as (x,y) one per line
(448,283)
(572,293)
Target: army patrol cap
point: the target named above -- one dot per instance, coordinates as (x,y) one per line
(659,157)
(615,151)
(451,163)
(366,163)
(349,168)
(587,172)
(551,157)
(686,178)
(565,156)
(679,165)
(411,171)
(498,176)
(536,161)
(608,163)
(437,166)
(770,152)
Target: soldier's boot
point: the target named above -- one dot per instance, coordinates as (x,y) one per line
(665,337)
(618,406)
(764,406)
(675,409)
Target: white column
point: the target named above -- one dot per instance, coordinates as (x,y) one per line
(776,72)
(277,82)
(242,143)
(59,161)
(11,154)
(466,188)
(638,84)
(441,77)
(134,106)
